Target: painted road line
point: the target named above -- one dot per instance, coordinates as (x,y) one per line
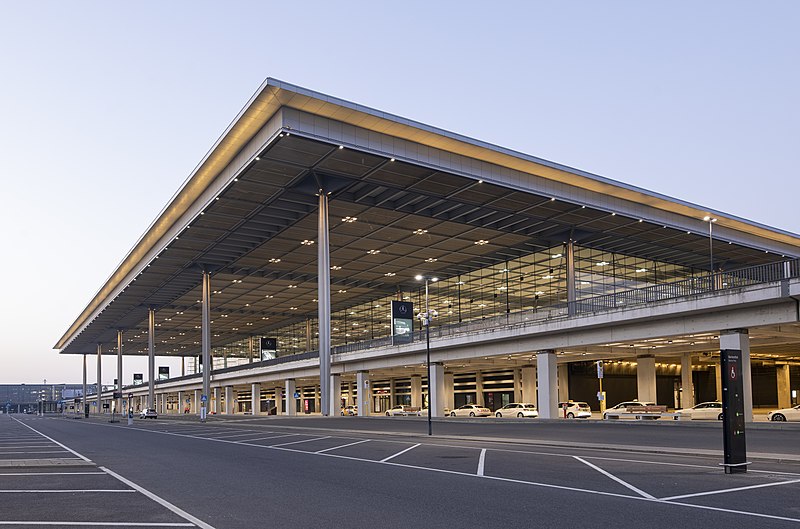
(481,462)
(401,452)
(298,442)
(52,474)
(54,441)
(263,438)
(41,452)
(69,491)
(161,501)
(615,478)
(736,489)
(102,524)
(341,446)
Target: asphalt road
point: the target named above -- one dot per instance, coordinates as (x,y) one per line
(276,472)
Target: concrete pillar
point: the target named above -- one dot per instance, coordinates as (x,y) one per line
(205,333)
(687,387)
(563,382)
(151,358)
(449,391)
(718,380)
(646,378)
(196,402)
(528,382)
(217,408)
(291,401)
(351,394)
(181,404)
(255,398)
(118,388)
(83,394)
(784,388)
(279,405)
(324,299)
(318,400)
(740,339)
(479,388)
(99,400)
(392,402)
(547,378)
(416,391)
(229,408)
(436,390)
(336,396)
(517,375)
(364,394)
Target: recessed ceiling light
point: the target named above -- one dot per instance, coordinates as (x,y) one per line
(390,274)
(420,231)
(341,291)
(306,242)
(292,286)
(334,267)
(274,260)
(341,146)
(556,256)
(373,252)
(431,260)
(641,270)
(391,159)
(602,263)
(349,219)
(481,242)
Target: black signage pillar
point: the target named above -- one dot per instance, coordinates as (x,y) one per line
(269,348)
(402,322)
(733,411)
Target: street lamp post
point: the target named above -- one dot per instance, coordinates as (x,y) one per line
(425,318)
(711,220)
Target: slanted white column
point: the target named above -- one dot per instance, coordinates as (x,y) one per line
(646,378)
(229,400)
(416,391)
(255,398)
(278,401)
(546,374)
(563,383)
(449,391)
(784,388)
(528,384)
(479,388)
(364,394)
(291,401)
(687,387)
(336,396)
(436,389)
(740,339)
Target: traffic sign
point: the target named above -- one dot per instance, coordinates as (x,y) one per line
(203,398)
(297,394)
(599,369)
(130,395)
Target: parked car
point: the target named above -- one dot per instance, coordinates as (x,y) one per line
(517,409)
(350,410)
(575,410)
(785,414)
(148,413)
(704,410)
(400,411)
(622,408)
(423,412)
(471,410)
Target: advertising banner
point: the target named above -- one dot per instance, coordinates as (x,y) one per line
(402,322)
(269,348)
(138,379)
(163,372)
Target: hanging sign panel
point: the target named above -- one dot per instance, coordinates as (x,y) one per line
(163,372)
(138,379)
(269,348)
(402,322)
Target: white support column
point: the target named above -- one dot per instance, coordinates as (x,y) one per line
(646,378)
(83,395)
(563,382)
(118,388)
(784,386)
(279,405)
(718,380)
(449,391)
(528,384)
(740,339)
(151,358)
(318,400)
(336,396)
(196,402)
(436,389)
(255,398)
(517,375)
(291,401)
(205,335)
(229,410)
(99,402)
(324,300)
(479,388)
(364,394)
(181,403)
(546,374)
(217,401)
(391,393)
(687,386)
(416,391)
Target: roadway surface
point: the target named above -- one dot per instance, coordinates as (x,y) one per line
(352,472)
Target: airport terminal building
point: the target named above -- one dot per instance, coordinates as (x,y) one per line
(294,269)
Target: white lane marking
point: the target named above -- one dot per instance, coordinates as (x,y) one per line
(235,435)
(481,462)
(54,441)
(38,452)
(222,435)
(736,489)
(103,524)
(297,442)
(52,474)
(615,478)
(401,452)
(263,438)
(496,478)
(55,491)
(161,501)
(341,446)
(41,446)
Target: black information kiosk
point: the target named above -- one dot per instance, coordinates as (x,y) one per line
(733,411)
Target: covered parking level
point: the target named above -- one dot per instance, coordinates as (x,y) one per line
(311,214)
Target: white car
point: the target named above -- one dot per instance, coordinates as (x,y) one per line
(574,410)
(148,413)
(786,414)
(517,409)
(704,410)
(622,408)
(471,410)
(400,411)
(350,410)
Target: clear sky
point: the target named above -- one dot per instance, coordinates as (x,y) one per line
(106,107)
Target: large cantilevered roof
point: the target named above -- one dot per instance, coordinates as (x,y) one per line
(251,202)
